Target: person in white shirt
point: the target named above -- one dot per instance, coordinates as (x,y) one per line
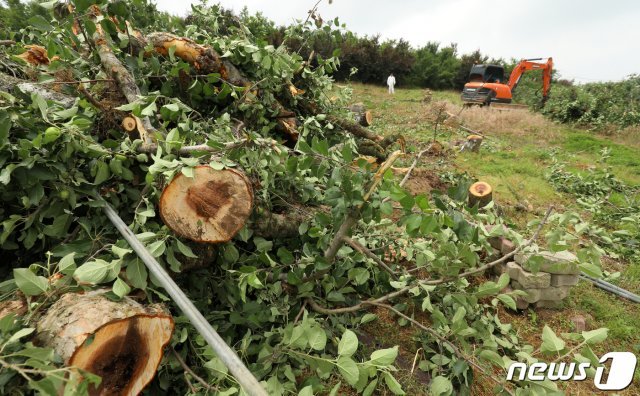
(391,82)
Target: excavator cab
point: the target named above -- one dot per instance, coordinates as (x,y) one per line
(486,85)
(487,73)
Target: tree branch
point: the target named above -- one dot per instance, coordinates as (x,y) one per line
(191,373)
(404,290)
(360,248)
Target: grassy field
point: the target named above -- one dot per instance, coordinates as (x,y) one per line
(516,155)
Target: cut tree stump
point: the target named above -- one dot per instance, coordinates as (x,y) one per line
(129,124)
(361,115)
(120,341)
(480,193)
(472,144)
(210,207)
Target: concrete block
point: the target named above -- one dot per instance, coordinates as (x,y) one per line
(532,296)
(507,247)
(528,280)
(564,280)
(549,293)
(554,293)
(560,263)
(499,269)
(496,241)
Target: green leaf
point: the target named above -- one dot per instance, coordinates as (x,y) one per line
(30,283)
(393,384)
(306,391)
(20,334)
(67,264)
(503,281)
(262,245)
(120,288)
(157,248)
(335,389)
(298,337)
(120,252)
(5,174)
(508,301)
(491,356)
(349,369)
(384,357)
(348,344)
(92,272)
(440,386)
(230,253)
(102,173)
(185,250)
(5,125)
(317,338)
(285,256)
(41,354)
(368,391)
(459,315)
(137,274)
(595,336)
(40,23)
(550,341)
(591,270)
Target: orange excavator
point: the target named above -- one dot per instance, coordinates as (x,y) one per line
(486,84)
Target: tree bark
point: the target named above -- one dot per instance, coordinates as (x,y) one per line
(210,207)
(121,341)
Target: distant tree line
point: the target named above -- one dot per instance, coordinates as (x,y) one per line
(369,59)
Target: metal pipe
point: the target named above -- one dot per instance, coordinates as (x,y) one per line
(609,285)
(612,288)
(242,374)
(621,293)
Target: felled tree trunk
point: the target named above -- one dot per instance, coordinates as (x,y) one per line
(17,307)
(356,129)
(277,225)
(121,341)
(9,83)
(361,115)
(480,193)
(115,69)
(212,206)
(202,58)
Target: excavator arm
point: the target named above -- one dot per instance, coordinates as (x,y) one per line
(530,64)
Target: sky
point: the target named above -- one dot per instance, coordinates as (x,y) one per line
(589,40)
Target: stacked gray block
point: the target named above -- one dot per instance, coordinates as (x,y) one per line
(545,281)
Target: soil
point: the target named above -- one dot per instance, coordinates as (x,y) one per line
(423,181)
